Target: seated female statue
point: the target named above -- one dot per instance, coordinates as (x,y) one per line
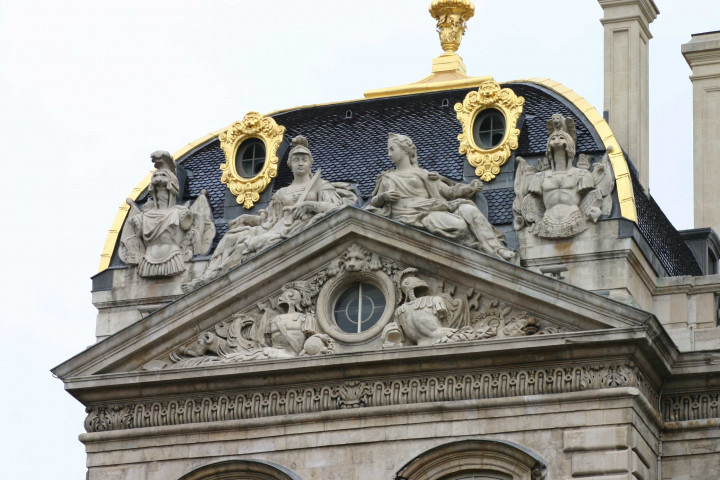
(414,196)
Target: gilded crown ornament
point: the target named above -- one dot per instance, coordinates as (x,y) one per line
(452,17)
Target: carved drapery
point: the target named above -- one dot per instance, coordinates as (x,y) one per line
(254,125)
(487,162)
(320,397)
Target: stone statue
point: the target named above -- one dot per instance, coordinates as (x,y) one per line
(423,318)
(556,200)
(162,236)
(287,331)
(414,196)
(295,207)
(426,319)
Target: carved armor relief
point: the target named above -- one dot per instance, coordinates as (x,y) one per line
(358,302)
(556,199)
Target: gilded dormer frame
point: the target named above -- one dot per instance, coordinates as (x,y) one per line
(487,162)
(254,125)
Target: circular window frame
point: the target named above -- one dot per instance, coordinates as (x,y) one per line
(330,293)
(244,144)
(474,122)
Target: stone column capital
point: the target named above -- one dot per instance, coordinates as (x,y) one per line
(618,10)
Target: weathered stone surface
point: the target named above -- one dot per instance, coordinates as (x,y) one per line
(555,199)
(162,236)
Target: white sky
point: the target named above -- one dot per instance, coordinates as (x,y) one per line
(89,89)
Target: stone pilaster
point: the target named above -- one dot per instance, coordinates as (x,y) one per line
(627,36)
(702,53)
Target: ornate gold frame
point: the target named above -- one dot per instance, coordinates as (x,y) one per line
(254,125)
(487,163)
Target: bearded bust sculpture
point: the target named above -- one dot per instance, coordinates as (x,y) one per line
(557,200)
(161,236)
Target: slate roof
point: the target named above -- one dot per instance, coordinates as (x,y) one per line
(664,240)
(349,143)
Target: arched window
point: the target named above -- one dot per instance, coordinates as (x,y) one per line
(478,459)
(241,470)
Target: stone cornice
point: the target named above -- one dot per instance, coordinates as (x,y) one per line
(308,397)
(688,407)
(641,343)
(372,417)
(181,320)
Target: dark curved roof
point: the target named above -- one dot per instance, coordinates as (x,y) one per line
(349,143)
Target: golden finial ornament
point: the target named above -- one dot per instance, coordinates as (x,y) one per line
(452,17)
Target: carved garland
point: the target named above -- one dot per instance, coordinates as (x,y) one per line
(487,163)
(368,393)
(254,125)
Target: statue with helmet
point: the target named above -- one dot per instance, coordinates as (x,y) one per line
(293,208)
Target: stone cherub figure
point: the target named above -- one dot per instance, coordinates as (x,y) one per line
(305,201)
(162,236)
(556,199)
(424,199)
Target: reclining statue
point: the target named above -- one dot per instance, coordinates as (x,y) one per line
(293,208)
(423,199)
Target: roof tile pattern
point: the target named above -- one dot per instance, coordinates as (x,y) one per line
(349,143)
(539,107)
(663,238)
(500,205)
(204,165)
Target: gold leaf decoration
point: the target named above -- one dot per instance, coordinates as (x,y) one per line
(487,162)
(247,190)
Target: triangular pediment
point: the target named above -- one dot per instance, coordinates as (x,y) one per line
(429,292)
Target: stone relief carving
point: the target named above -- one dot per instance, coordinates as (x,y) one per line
(293,208)
(162,236)
(282,327)
(423,199)
(691,406)
(423,318)
(320,397)
(556,199)
(300,319)
(426,319)
(286,330)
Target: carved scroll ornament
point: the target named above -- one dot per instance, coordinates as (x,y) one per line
(254,125)
(487,162)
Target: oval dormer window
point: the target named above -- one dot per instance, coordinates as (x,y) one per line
(250,158)
(489,128)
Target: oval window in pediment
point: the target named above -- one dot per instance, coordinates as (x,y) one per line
(359,307)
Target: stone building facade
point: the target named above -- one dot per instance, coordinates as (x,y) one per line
(448,280)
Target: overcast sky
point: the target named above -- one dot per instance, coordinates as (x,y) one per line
(89,89)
